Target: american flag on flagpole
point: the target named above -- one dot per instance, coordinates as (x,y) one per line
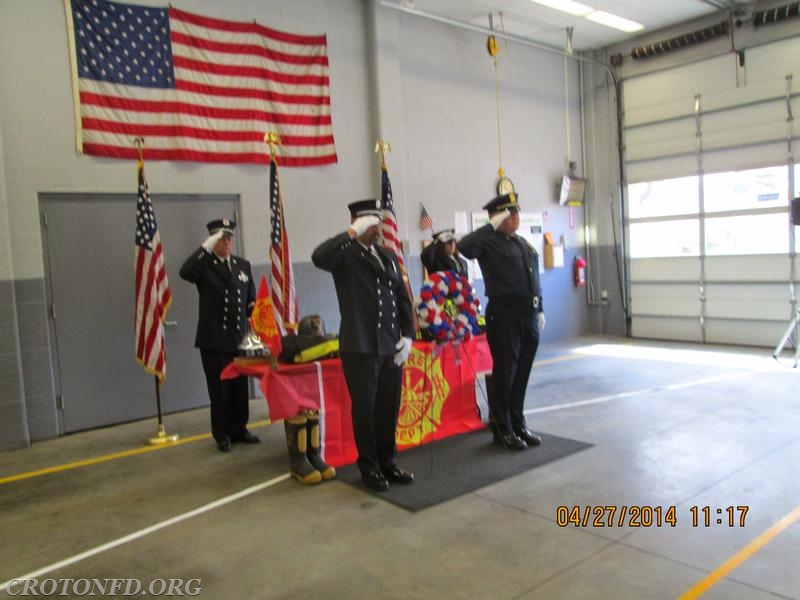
(425,221)
(389,231)
(284,297)
(199,88)
(153,297)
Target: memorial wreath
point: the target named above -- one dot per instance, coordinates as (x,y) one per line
(448,311)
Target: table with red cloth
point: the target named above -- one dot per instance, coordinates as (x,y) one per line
(438,397)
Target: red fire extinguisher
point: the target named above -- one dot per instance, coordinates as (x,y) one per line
(579,271)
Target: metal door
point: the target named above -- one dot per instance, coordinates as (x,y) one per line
(89,261)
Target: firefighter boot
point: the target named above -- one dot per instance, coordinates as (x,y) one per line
(296,440)
(314,450)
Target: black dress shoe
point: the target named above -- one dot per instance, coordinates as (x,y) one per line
(375,480)
(398,475)
(510,441)
(248,438)
(528,436)
(224,444)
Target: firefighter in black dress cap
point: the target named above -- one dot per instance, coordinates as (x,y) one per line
(514,316)
(227,295)
(442,254)
(374,338)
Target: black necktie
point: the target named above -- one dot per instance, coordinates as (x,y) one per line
(376,256)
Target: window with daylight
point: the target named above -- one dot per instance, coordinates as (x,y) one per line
(667,197)
(665,238)
(744,212)
(747,234)
(746,190)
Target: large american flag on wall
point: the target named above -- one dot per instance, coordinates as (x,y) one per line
(197,88)
(153,296)
(284,296)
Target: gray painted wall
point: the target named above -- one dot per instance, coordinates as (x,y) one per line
(426,87)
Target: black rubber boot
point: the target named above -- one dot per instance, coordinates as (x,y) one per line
(314,450)
(296,440)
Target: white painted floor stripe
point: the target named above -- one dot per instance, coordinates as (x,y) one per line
(261,486)
(146,531)
(674,386)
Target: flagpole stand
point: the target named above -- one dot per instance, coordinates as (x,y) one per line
(161,438)
(791,334)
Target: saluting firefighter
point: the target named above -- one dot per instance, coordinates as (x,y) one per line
(374,338)
(227,295)
(514,316)
(442,254)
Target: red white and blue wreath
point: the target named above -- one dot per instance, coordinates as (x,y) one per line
(448,311)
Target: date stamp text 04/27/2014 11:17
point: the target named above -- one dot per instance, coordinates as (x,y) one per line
(612,515)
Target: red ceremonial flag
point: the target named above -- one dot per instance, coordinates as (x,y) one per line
(283,290)
(198,88)
(153,297)
(425,221)
(263,322)
(389,232)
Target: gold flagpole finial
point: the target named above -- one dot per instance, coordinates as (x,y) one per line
(273,139)
(383,147)
(139,143)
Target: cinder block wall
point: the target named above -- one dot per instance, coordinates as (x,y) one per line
(426,87)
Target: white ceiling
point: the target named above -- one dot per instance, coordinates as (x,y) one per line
(548,26)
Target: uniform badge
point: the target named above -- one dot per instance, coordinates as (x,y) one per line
(243,277)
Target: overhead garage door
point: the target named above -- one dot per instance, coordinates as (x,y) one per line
(710,173)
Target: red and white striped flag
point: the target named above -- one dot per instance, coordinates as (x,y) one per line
(153,297)
(284,297)
(198,88)
(425,221)
(389,231)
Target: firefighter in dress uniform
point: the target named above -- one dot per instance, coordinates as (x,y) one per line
(374,338)
(514,316)
(227,295)
(442,254)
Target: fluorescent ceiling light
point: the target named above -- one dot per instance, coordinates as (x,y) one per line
(567,6)
(614,21)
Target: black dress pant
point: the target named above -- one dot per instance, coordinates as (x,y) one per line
(230,408)
(513,335)
(374,383)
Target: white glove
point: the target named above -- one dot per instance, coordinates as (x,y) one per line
(498,218)
(361,224)
(540,321)
(403,347)
(212,240)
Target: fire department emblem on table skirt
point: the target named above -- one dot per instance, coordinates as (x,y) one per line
(425,390)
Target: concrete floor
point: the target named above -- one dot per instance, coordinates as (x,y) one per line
(672,425)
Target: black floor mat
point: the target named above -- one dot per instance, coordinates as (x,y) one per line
(461,464)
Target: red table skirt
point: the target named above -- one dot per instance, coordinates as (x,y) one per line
(438,398)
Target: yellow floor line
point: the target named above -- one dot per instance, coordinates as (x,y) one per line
(558,359)
(135,451)
(737,559)
(106,457)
